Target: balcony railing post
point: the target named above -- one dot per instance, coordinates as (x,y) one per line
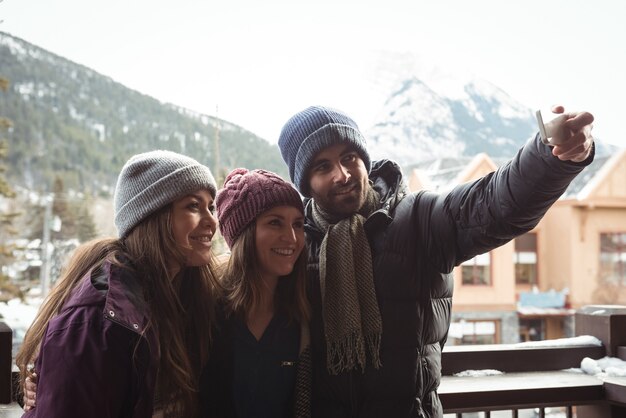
(607,323)
(600,411)
(6,359)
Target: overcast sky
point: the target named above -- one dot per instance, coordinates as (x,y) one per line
(256,62)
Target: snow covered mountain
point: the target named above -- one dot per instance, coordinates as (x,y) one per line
(435,110)
(418,123)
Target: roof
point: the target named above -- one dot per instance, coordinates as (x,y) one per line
(443,173)
(551,299)
(584,178)
(542,312)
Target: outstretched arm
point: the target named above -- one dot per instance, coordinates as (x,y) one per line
(504,204)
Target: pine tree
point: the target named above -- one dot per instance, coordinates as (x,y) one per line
(74,214)
(5,125)
(7,289)
(85,225)
(34,223)
(63,208)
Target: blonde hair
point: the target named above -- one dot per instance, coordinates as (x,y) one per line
(181,307)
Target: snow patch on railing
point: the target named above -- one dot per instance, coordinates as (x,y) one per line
(478,373)
(563,342)
(604,367)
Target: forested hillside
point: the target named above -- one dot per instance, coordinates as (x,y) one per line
(73,123)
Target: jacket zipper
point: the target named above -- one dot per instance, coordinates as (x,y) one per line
(423,369)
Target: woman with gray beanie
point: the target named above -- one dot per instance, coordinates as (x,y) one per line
(126,329)
(260,362)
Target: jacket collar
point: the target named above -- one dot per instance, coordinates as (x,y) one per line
(125,302)
(389,182)
(121,292)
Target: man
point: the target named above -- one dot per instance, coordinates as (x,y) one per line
(381,259)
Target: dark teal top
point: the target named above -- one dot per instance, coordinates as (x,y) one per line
(246,378)
(264,371)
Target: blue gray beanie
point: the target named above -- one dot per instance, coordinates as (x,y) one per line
(310,131)
(151,180)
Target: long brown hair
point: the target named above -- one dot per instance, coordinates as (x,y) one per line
(181,306)
(242,282)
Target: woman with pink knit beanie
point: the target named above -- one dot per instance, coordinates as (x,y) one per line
(260,361)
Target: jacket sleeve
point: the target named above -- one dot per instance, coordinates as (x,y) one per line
(476,217)
(85,369)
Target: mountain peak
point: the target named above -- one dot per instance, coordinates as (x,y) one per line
(419,123)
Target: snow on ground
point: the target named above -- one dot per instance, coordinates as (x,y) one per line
(17,314)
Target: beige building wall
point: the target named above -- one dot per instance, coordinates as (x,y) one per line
(499,296)
(569,237)
(557,236)
(568,245)
(599,208)
(586,285)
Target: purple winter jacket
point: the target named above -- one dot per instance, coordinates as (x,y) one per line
(95,359)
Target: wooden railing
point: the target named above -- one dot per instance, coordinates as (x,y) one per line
(538,377)
(518,387)
(533,377)
(6,359)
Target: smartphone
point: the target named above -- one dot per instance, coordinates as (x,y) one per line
(542,128)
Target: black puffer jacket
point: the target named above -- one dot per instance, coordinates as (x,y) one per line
(416,241)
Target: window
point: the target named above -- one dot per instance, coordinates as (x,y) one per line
(531,330)
(525,259)
(477,271)
(474,331)
(613,257)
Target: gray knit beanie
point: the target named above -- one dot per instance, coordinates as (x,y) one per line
(310,131)
(151,180)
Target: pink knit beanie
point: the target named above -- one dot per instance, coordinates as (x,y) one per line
(246,195)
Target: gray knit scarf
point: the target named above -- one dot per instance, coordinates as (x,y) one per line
(352,322)
(304,376)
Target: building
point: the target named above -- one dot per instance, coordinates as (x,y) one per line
(528,289)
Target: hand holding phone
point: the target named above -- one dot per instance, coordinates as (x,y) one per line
(549,132)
